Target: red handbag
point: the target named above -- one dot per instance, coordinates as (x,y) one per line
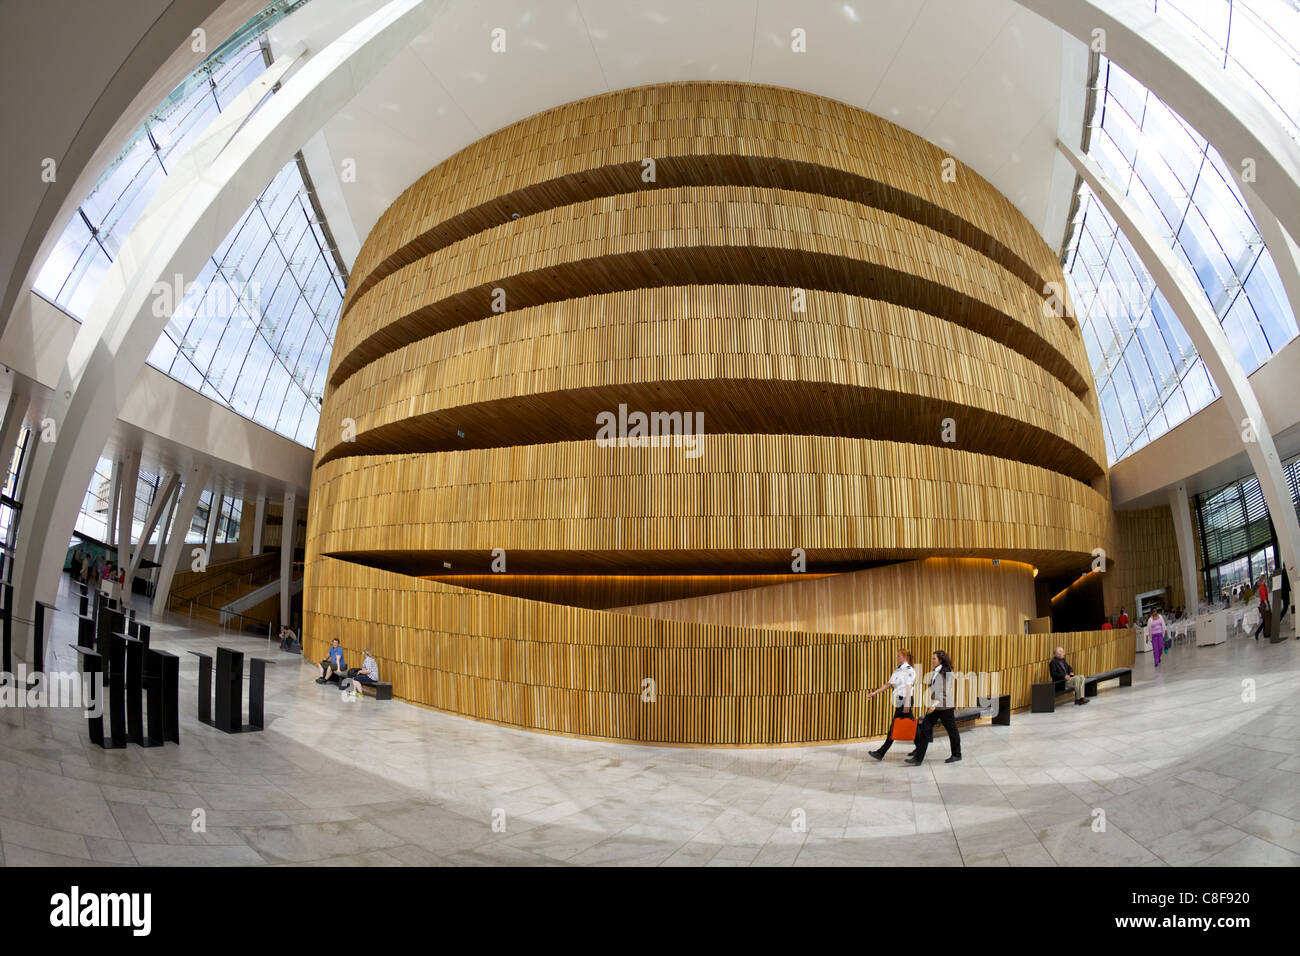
(904,728)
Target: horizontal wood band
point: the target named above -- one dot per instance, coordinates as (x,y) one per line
(693,236)
(669,122)
(844,365)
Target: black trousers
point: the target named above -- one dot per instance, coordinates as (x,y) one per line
(925,730)
(889,739)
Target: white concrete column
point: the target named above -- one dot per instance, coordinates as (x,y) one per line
(114,492)
(1186,297)
(164,529)
(1174,67)
(167,483)
(260,523)
(1181,508)
(286,553)
(209,188)
(128,481)
(15,415)
(214,518)
(175,549)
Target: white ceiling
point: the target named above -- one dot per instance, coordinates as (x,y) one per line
(985,79)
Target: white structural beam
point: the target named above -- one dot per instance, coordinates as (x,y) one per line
(1185,295)
(167,483)
(259,524)
(1181,508)
(194,209)
(1194,85)
(128,481)
(287,529)
(174,549)
(214,518)
(15,416)
(164,529)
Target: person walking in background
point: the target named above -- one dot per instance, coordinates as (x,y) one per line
(902,681)
(1265,612)
(1156,628)
(1123,618)
(943,705)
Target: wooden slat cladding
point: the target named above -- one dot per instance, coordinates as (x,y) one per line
(879,379)
(744,492)
(697,235)
(937,596)
(575,671)
(846,365)
(548,158)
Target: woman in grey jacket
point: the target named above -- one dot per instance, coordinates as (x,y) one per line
(943,703)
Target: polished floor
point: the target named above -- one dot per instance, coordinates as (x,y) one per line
(1196,764)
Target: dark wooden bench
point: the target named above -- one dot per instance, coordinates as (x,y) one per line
(1043,696)
(998,708)
(380,691)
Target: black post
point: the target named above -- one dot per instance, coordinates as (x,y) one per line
(256,692)
(230,690)
(117,689)
(134,690)
(143,633)
(161,678)
(92,666)
(83,604)
(205,687)
(38,634)
(86,632)
(7,632)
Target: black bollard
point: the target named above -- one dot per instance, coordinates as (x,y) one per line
(134,690)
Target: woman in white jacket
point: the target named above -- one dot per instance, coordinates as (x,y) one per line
(901,681)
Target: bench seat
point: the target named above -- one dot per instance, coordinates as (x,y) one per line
(1043,695)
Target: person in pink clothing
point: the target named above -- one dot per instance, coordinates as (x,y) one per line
(1156,628)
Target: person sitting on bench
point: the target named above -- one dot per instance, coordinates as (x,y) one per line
(1066,677)
(332,666)
(369,673)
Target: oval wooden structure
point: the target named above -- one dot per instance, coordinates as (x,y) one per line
(867,344)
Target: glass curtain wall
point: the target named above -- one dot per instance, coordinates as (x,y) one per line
(1149,377)
(254,329)
(1237,537)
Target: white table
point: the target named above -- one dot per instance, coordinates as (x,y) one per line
(1212,628)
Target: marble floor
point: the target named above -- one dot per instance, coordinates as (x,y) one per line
(1196,764)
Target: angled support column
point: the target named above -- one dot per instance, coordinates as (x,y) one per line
(127,482)
(260,524)
(1195,86)
(214,518)
(195,481)
(287,530)
(1181,507)
(164,530)
(114,493)
(15,415)
(194,209)
(161,500)
(1185,295)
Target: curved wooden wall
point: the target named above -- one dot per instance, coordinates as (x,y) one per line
(802,274)
(575,671)
(936,596)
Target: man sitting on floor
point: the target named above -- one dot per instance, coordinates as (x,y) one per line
(1065,677)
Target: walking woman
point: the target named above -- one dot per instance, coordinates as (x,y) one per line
(943,705)
(1156,628)
(901,681)
(1265,611)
